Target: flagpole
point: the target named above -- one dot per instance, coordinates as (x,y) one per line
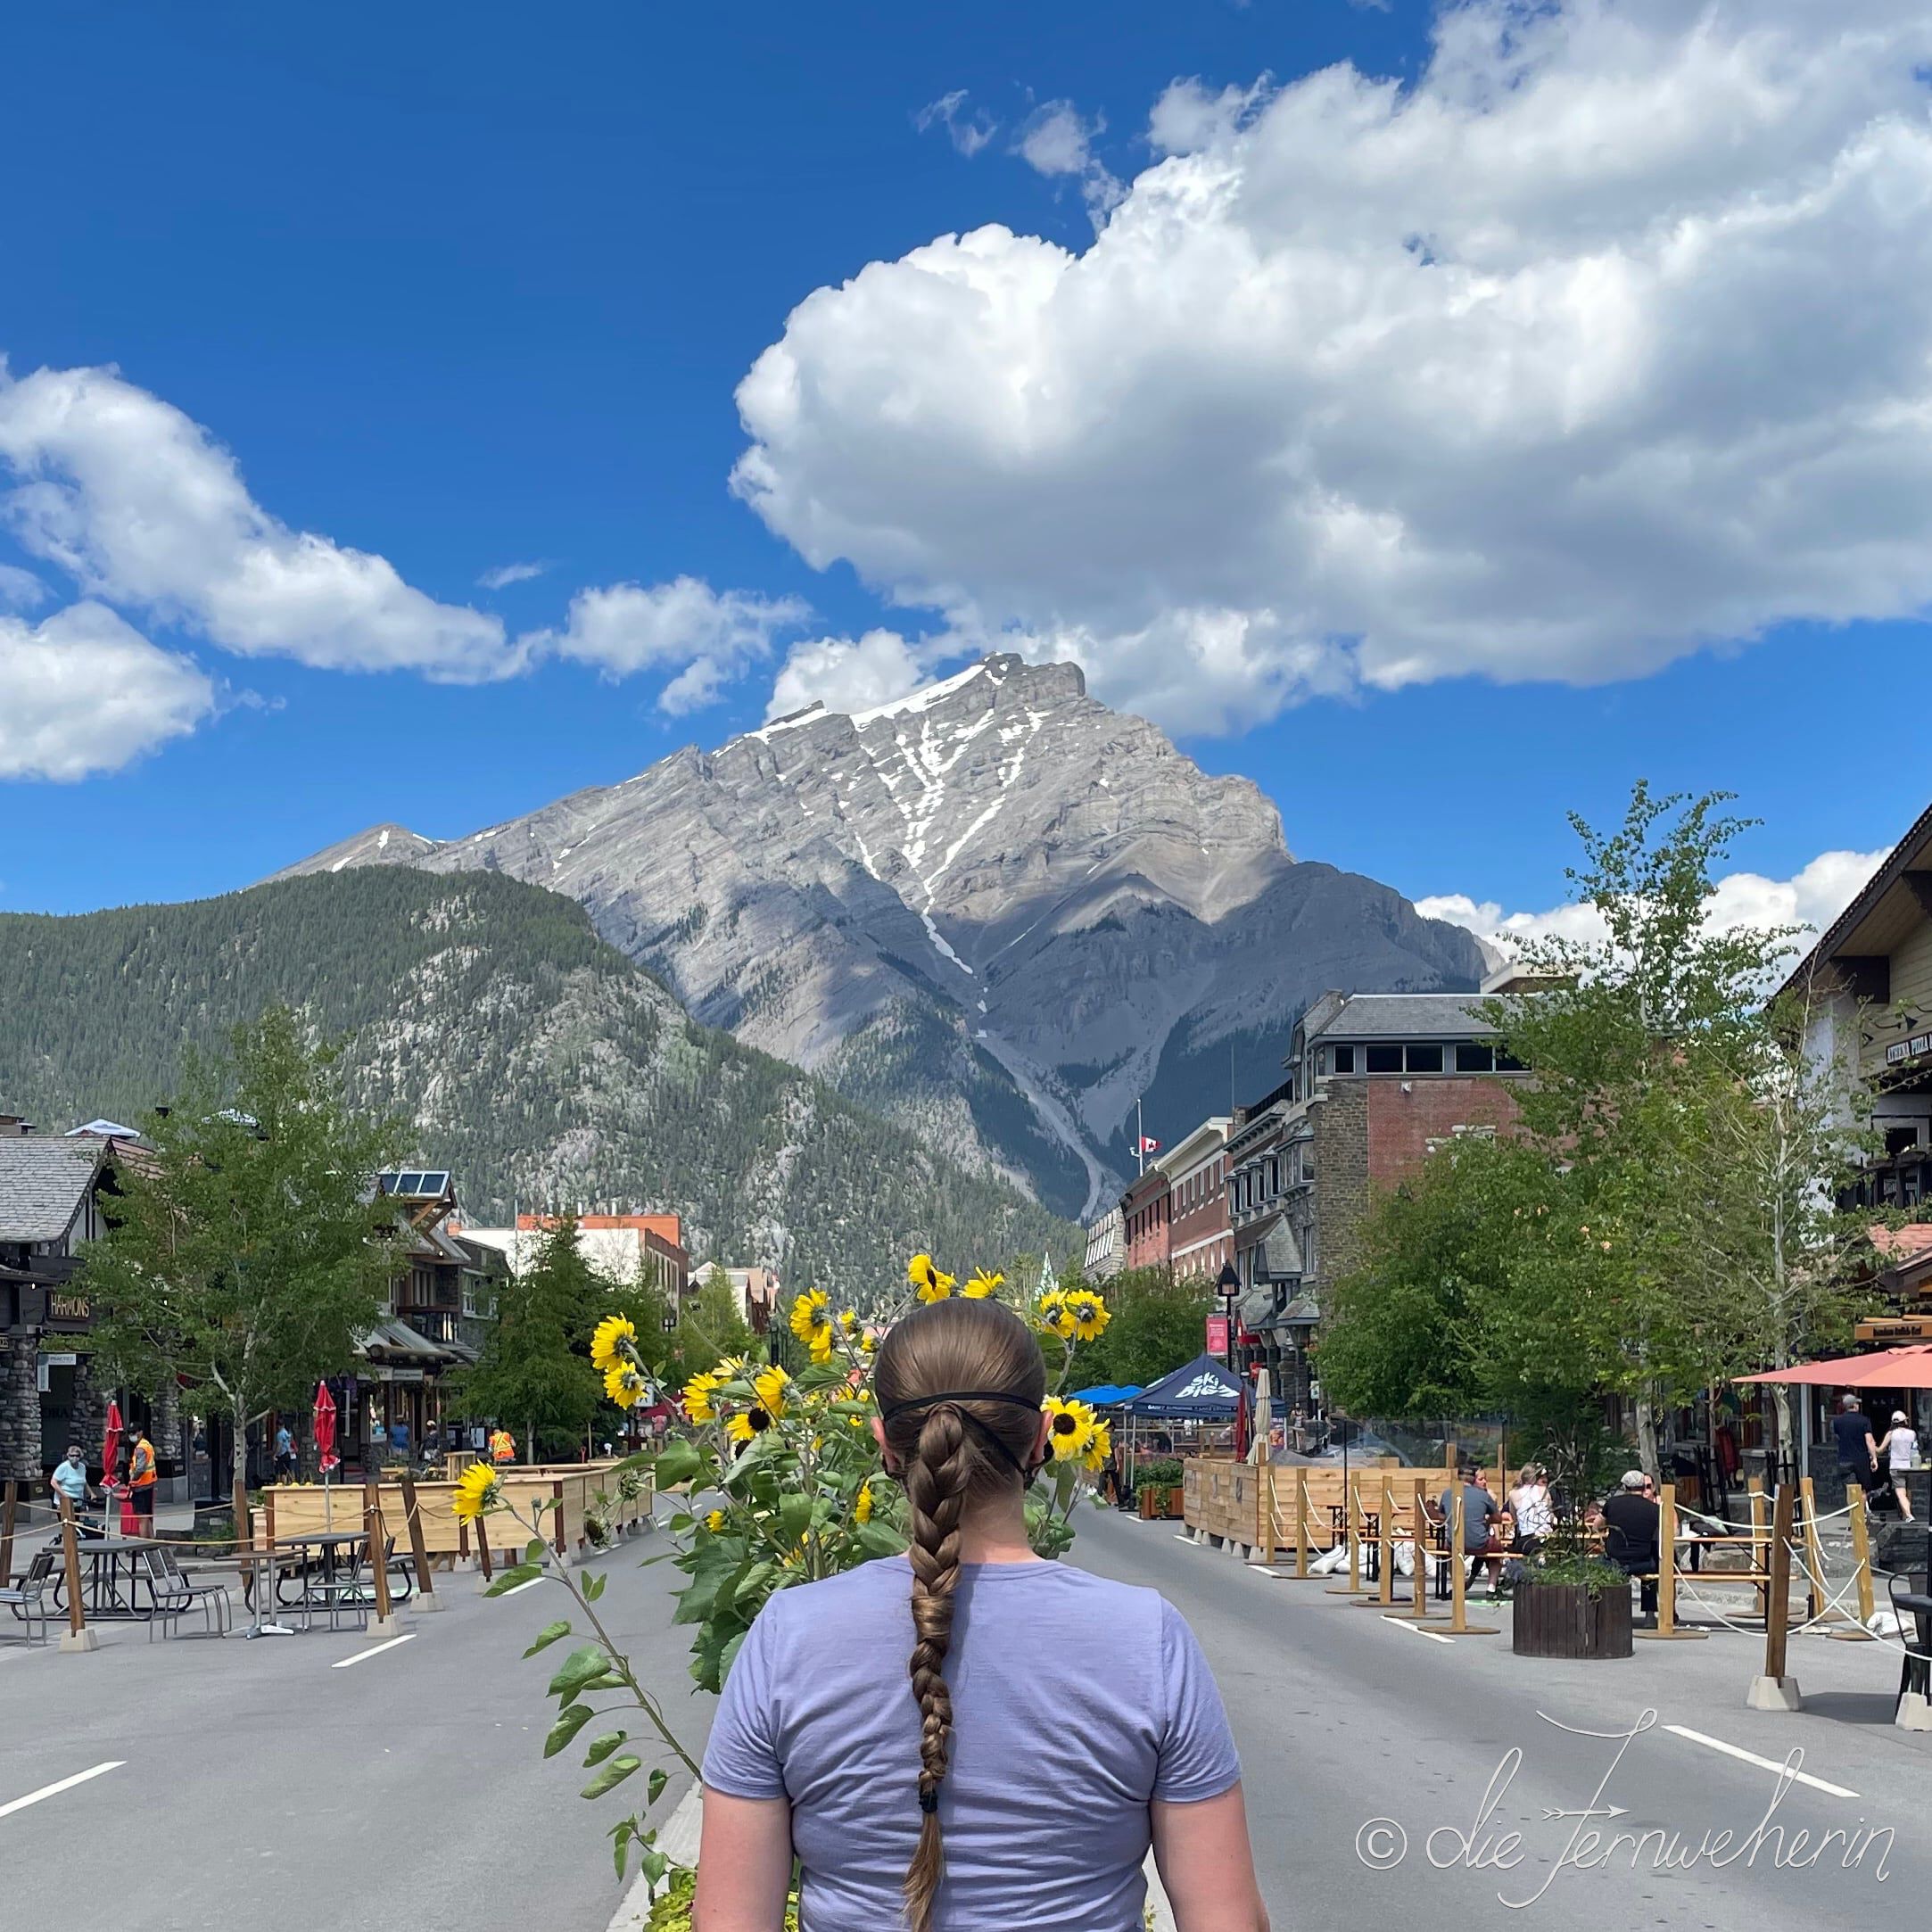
(1140,1140)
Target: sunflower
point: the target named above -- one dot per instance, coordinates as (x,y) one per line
(1101,1447)
(770,1386)
(982,1284)
(869,1343)
(849,1321)
(699,1393)
(748,1423)
(715,1522)
(624,1385)
(1070,1429)
(932,1283)
(863,1508)
(810,1318)
(478,1491)
(1088,1313)
(605,1352)
(1052,1316)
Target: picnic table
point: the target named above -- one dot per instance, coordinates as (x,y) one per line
(114,1575)
(323,1575)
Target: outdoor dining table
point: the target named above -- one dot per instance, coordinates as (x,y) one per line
(107,1592)
(327,1570)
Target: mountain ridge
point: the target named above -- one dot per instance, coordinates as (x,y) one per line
(525,1052)
(951,904)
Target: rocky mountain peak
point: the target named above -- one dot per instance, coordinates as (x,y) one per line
(993,908)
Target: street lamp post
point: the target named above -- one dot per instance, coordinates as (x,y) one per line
(1227,1284)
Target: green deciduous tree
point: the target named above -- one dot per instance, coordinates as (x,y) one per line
(711,1326)
(250,1249)
(535,1369)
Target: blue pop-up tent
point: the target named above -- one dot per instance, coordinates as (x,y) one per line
(1204,1391)
(1106,1394)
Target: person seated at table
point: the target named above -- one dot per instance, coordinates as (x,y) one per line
(70,1480)
(1631,1538)
(1480,1510)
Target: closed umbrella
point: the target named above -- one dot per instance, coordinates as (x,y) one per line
(324,1442)
(1264,1416)
(109,1451)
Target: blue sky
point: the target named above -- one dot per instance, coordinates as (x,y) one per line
(463,289)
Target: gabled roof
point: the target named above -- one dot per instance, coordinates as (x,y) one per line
(43,1184)
(1886,921)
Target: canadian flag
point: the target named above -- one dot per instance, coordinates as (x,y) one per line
(1149,1145)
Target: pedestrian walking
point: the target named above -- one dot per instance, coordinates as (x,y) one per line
(70,1480)
(141,1476)
(927,1802)
(1535,1514)
(1858,1454)
(1630,1539)
(1900,1457)
(284,1455)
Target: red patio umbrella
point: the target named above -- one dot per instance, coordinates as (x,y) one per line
(325,1442)
(110,1449)
(1909,1368)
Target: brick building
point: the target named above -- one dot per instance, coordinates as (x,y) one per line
(1145,1209)
(1200,1239)
(1375,1081)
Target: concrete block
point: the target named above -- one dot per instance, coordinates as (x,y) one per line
(1773,1694)
(1914,1712)
(383,1628)
(86,1640)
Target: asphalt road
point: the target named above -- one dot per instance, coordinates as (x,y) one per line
(258,1784)
(1344,1720)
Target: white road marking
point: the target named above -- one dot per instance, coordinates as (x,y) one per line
(1189,1541)
(1764,1763)
(376,1650)
(1403,1623)
(65,1784)
(521,1588)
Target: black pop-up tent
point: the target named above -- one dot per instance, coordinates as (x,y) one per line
(1204,1391)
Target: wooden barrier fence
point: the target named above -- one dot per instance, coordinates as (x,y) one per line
(1290,1512)
(566,1493)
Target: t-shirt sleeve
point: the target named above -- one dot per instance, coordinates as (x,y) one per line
(741,1760)
(1198,1759)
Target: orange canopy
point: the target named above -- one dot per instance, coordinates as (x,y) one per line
(1908,1367)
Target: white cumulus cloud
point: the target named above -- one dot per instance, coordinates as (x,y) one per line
(142,507)
(84,692)
(1607,340)
(20,590)
(1812,899)
(845,673)
(708,636)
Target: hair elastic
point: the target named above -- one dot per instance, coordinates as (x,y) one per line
(983,1429)
(928,1801)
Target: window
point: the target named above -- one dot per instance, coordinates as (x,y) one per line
(1385,1060)
(1899,1139)
(1425,1060)
(1471,1057)
(1345,1060)
(1509,1062)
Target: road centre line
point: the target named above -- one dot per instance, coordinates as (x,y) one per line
(376,1650)
(1403,1623)
(1764,1763)
(64,1784)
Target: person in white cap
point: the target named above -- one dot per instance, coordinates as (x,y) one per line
(1900,1454)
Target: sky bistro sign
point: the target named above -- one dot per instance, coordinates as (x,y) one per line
(1896,1328)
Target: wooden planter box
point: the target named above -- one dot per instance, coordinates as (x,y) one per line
(1566,1620)
(1160,1502)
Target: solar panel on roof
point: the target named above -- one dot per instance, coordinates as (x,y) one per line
(436,1182)
(411,1183)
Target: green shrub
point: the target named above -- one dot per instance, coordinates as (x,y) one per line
(1164,1471)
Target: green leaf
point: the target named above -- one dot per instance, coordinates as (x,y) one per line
(794,1517)
(601,1747)
(679,1463)
(653,1789)
(681,1523)
(878,1538)
(508,1580)
(565,1727)
(547,1636)
(593,1586)
(653,1864)
(621,1833)
(606,1680)
(612,1775)
(585,1663)
(535,1552)
(820,1375)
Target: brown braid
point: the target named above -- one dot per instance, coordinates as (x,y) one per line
(952,1456)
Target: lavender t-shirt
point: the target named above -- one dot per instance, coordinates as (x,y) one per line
(1076,1700)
